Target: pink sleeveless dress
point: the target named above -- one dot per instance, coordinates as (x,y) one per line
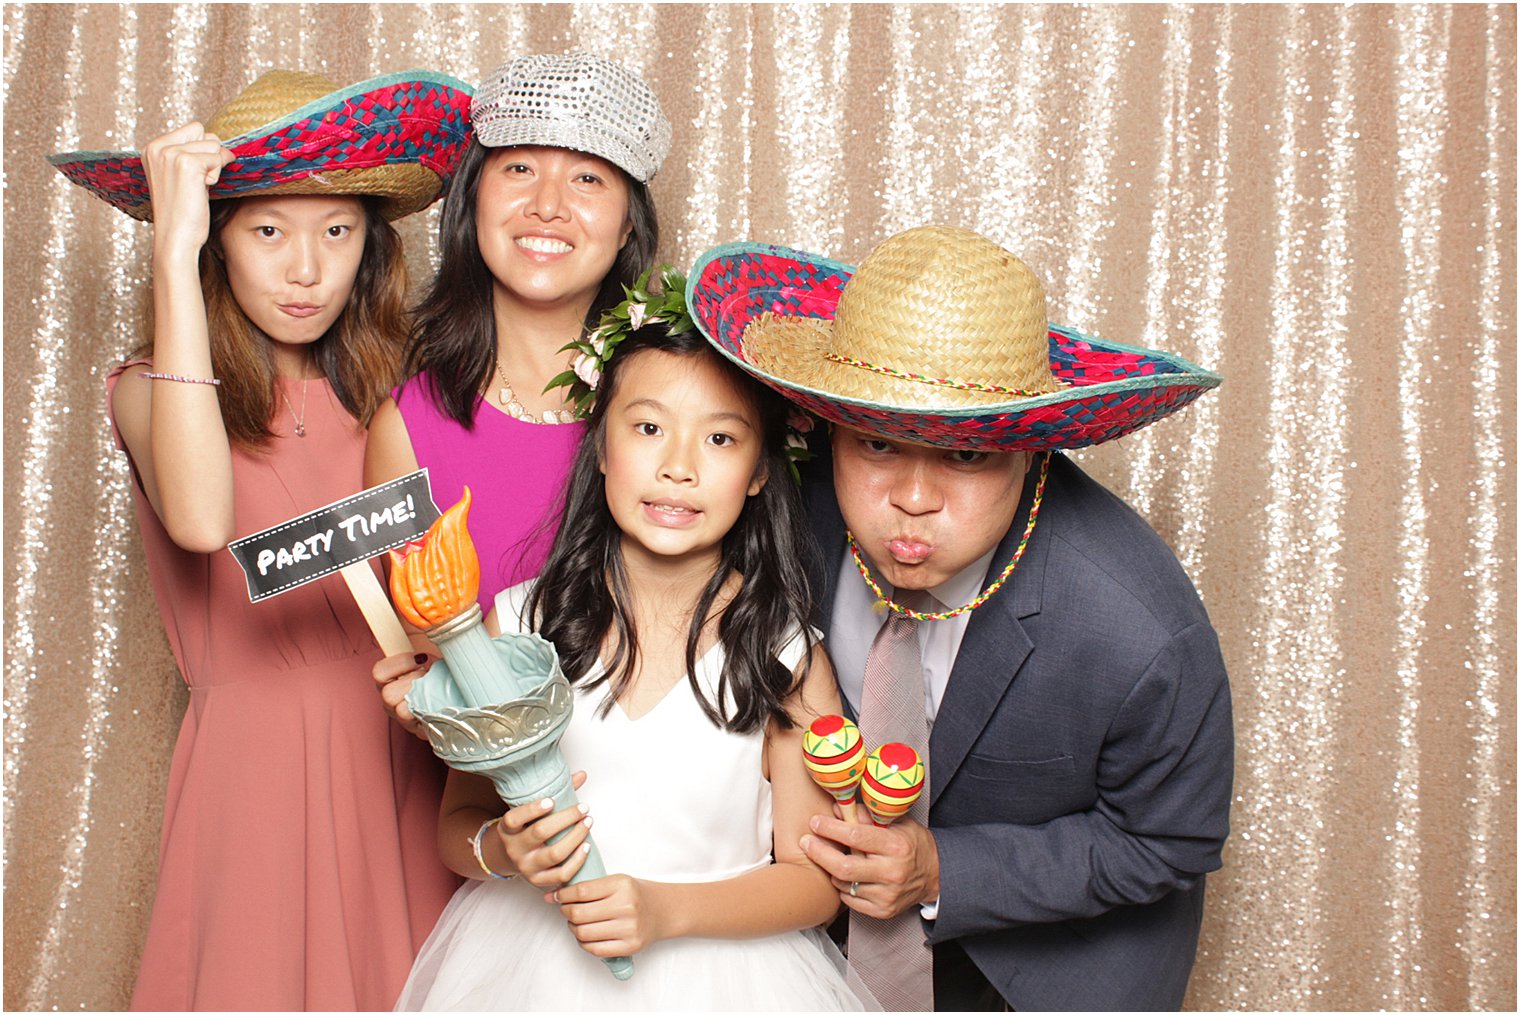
(515,470)
(298,866)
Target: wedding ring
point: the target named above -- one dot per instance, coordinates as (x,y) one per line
(854,889)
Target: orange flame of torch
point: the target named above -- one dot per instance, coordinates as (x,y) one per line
(437,579)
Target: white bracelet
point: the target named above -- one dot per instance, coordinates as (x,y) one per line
(177,377)
(474,841)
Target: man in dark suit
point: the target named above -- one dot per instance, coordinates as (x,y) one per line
(1075,706)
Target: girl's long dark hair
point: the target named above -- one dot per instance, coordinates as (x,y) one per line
(582,593)
(453,335)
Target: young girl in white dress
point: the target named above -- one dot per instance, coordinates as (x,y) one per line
(675,596)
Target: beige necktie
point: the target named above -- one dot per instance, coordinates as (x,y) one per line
(892,956)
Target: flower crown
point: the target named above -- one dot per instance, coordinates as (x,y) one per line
(644,304)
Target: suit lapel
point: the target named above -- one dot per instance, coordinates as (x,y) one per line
(995,644)
(994,648)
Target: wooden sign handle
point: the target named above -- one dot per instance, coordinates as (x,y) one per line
(376,607)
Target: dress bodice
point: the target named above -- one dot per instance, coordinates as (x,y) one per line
(701,784)
(675,797)
(515,471)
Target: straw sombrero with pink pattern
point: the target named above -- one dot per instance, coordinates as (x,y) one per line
(398,137)
(939,338)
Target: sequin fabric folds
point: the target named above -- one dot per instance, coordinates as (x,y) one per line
(1317,202)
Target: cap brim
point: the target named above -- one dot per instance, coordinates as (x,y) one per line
(508,133)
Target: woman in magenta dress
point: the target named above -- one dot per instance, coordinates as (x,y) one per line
(547,219)
(298,866)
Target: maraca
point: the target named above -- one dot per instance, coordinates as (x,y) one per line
(893,780)
(835,755)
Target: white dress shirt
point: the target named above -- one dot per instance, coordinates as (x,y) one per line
(857,619)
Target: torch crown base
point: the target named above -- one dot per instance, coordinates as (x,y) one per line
(456,624)
(486,736)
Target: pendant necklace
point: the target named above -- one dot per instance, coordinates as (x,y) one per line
(301,419)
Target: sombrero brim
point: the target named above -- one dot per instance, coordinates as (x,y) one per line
(412,127)
(1112,389)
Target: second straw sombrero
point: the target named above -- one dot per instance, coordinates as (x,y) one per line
(397,137)
(940,338)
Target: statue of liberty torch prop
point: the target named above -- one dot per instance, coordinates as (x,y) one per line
(494,706)
(835,756)
(893,781)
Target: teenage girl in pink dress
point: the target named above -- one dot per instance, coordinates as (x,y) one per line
(298,868)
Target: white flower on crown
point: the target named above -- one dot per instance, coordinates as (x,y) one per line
(636,312)
(598,342)
(588,369)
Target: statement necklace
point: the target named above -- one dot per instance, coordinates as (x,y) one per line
(986,594)
(514,407)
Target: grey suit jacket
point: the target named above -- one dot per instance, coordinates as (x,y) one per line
(1081,761)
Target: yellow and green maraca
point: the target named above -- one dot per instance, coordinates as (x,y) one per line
(889,778)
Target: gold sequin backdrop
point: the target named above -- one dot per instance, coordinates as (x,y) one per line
(1319,203)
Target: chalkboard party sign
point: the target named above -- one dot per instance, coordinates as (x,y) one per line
(342,537)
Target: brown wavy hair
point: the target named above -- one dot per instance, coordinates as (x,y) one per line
(359,355)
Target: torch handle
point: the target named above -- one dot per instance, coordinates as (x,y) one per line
(474,661)
(562,792)
(563,795)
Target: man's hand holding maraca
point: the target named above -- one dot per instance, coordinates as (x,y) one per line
(891,862)
(889,868)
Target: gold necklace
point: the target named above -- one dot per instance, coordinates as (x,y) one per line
(301,419)
(514,407)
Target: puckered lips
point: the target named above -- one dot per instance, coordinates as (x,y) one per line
(908,549)
(300,309)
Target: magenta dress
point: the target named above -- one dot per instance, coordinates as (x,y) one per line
(298,867)
(515,471)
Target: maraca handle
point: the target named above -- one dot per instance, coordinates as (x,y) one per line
(848,808)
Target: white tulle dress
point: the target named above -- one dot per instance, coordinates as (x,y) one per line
(676,799)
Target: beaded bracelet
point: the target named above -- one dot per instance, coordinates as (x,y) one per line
(177,377)
(480,858)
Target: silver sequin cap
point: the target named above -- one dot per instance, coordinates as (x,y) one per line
(576,101)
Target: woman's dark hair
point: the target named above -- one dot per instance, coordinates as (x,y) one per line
(359,355)
(582,592)
(453,334)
